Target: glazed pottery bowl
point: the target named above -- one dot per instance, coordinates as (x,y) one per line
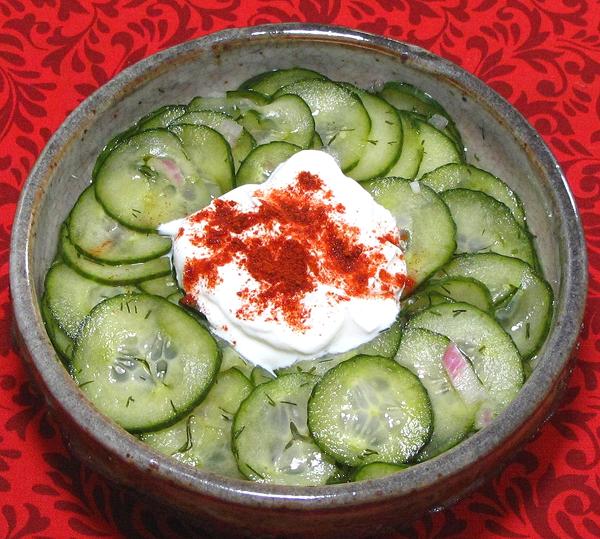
(497,138)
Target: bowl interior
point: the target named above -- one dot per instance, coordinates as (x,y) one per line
(495,135)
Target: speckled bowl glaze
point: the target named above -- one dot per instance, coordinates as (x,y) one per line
(497,137)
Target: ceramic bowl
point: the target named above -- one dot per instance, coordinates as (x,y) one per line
(498,138)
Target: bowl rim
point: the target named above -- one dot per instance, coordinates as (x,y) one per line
(558,347)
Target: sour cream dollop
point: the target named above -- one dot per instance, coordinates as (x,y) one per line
(300,266)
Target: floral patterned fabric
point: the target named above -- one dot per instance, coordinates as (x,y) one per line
(543,56)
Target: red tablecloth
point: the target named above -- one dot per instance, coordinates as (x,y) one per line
(543,56)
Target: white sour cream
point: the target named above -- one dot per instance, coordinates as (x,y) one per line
(311,223)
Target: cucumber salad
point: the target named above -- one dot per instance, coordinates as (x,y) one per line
(471,305)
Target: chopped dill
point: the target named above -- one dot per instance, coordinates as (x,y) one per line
(189,442)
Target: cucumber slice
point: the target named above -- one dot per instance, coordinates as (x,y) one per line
(100,237)
(263,160)
(203,438)
(316,143)
(62,343)
(522,299)
(438,149)
(269,82)
(376,470)
(385,344)
(148,180)
(423,215)
(210,154)
(341,119)
(370,409)
(110,146)
(161,117)
(286,118)
(230,359)
(411,153)
(234,103)
(240,141)
(176,298)
(485,225)
(260,376)
(452,289)
(455,175)
(143,361)
(69,297)
(384,143)
(161,286)
(270,437)
(405,96)
(422,352)
(491,351)
(108,273)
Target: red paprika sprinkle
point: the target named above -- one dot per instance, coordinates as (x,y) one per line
(290,242)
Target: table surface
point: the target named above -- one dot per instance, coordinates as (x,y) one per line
(544,57)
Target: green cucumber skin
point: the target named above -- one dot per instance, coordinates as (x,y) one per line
(270,81)
(462,175)
(121,274)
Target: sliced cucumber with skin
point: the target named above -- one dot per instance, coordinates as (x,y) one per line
(405,96)
(110,146)
(411,153)
(160,286)
(230,359)
(522,299)
(62,343)
(148,180)
(286,118)
(260,376)
(239,140)
(143,361)
(161,117)
(263,160)
(495,358)
(452,289)
(99,236)
(109,273)
(370,409)
(422,352)
(69,297)
(385,344)
(176,298)
(376,470)
(438,149)
(270,437)
(461,175)
(384,142)
(421,213)
(203,438)
(234,103)
(269,82)
(341,119)
(210,154)
(485,225)
(152,119)
(316,143)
